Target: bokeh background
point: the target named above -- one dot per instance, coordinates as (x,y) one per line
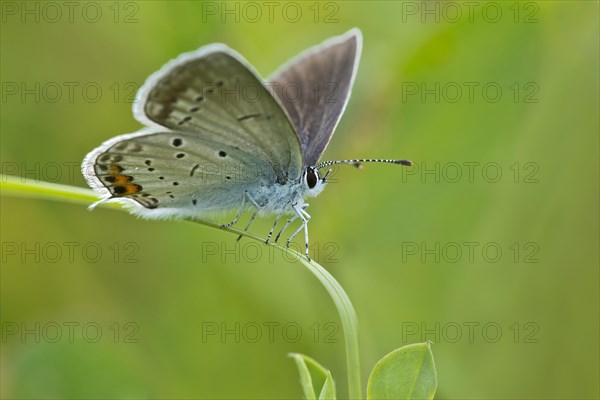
(488,247)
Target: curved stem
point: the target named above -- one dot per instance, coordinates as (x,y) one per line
(16,186)
(22,187)
(349,324)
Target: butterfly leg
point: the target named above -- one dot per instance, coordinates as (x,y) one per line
(229,225)
(248,225)
(273,228)
(289,221)
(305,217)
(242,209)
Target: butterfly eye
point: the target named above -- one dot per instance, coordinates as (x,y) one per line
(312,177)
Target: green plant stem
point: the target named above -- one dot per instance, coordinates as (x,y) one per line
(349,324)
(19,187)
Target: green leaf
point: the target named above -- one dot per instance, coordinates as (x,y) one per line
(405,373)
(328,390)
(314,378)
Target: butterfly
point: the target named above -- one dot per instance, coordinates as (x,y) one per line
(219,138)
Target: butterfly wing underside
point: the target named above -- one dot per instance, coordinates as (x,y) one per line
(315,87)
(215,133)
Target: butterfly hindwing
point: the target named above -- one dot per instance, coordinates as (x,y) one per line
(176,173)
(315,87)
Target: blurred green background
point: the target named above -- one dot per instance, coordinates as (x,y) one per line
(488,247)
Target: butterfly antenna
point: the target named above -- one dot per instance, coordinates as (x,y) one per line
(359,163)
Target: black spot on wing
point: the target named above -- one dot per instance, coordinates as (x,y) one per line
(184,120)
(245,117)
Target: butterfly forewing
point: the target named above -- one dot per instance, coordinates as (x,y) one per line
(315,87)
(213,92)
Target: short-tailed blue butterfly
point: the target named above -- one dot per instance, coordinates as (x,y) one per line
(218,138)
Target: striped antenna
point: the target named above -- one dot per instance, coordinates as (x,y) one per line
(358,163)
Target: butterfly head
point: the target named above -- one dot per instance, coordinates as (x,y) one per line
(312,181)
